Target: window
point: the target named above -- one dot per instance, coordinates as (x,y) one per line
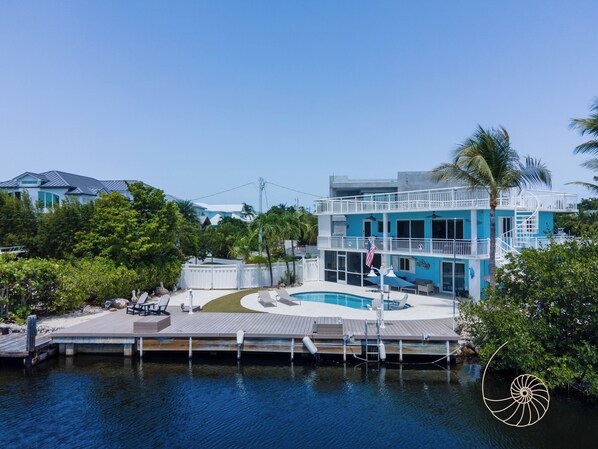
(406,264)
(445,229)
(381,224)
(339,228)
(330,260)
(410,229)
(47,199)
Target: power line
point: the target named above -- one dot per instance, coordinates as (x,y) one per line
(294,190)
(224,191)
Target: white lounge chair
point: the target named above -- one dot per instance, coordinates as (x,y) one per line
(283,296)
(401,303)
(265,299)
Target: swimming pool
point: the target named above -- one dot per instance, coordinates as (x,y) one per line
(339,299)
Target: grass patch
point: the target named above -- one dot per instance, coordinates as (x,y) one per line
(230,303)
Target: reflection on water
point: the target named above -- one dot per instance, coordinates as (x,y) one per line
(116,402)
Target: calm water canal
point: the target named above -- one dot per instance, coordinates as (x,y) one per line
(99,402)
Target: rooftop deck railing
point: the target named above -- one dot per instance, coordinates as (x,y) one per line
(446,199)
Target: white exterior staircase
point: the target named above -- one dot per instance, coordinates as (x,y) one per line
(525,229)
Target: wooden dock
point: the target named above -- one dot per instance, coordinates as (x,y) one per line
(15,346)
(261,332)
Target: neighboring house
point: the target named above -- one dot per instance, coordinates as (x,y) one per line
(428,231)
(212,214)
(52,187)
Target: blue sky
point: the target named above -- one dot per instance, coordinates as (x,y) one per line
(200,97)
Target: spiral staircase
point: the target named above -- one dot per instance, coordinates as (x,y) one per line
(525,228)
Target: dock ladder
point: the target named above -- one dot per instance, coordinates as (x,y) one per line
(372,343)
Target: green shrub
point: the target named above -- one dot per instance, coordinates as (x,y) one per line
(258,260)
(94,280)
(150,276)
(26,284)
(546,307)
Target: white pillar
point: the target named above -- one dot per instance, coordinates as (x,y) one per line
(474,231)
(475,281)
(385,245)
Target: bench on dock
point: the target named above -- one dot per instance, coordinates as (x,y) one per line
(151,324)
(328,330)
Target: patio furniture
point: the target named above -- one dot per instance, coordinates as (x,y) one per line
(161,306)
(424,286)
(283,296)
(140,306)
(401,303)
(265,299)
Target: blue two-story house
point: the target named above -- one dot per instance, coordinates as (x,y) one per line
(433,234)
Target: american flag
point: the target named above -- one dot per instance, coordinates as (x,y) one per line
(369,258)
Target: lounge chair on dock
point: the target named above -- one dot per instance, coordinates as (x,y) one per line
(139,306)
(161,306)
(283,296)
(265,299)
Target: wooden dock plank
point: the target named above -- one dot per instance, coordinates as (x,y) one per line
(15,345)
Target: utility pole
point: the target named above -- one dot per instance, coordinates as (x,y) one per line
(261,182)
(261,186)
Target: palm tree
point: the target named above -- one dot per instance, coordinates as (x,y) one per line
(243,245)
(268,229)
(487,161)
(187,210)
(248,211)
(588,126)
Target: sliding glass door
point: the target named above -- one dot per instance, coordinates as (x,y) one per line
(447,276)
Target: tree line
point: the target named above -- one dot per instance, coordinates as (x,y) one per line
(89,252)
(108,247)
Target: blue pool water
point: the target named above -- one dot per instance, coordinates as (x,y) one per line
(339,299)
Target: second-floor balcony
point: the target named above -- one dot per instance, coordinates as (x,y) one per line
(415,246)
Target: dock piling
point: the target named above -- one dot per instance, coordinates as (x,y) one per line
(292,349)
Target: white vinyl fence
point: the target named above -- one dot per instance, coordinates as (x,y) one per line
(236,276)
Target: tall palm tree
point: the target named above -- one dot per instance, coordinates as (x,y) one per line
(268,227)
(588,126)
(487,161)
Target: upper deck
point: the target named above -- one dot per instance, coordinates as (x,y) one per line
(459,198)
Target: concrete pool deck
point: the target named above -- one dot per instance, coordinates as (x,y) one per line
(422,307)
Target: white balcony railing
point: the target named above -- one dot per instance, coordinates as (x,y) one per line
(446,199)
(447,247)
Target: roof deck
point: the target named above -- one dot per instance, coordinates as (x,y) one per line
(459,198)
